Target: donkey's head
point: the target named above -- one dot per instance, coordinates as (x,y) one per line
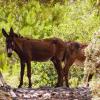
(9,41)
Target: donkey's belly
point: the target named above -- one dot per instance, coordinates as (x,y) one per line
(40,60)
(43,52)
(42,56)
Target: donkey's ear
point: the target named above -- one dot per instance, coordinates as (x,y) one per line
(11,30)
(4,32)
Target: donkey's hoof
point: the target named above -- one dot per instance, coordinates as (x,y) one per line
(30,86)
(67,85)
(58,85)
(19,86)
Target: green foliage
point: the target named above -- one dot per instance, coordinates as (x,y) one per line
(75,76)
(43,74)
(68,21)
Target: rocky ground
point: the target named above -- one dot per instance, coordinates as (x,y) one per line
(45,93)
(49,93)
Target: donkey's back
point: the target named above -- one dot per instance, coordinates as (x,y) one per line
(42,50)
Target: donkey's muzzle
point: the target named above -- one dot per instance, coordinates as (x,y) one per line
(9,52)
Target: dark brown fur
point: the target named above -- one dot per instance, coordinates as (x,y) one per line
(36,50)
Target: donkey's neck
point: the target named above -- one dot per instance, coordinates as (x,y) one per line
(18,46)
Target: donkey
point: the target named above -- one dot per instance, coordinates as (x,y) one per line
(28,50)
(74,53)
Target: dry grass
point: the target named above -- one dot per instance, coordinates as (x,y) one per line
(95,88)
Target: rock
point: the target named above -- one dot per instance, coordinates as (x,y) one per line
(47,96)
(5,95)
(12,93)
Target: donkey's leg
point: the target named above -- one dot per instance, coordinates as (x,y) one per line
(29,73)
(21,73)
(59,70)
(66,70)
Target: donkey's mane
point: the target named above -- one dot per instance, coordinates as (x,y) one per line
(18,35)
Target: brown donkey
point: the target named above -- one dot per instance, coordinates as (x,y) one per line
(35,50)
(74,51)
